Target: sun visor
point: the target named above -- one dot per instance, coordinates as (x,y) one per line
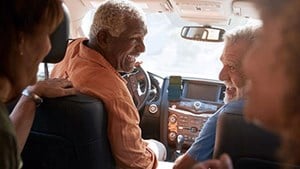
(216,12)
(245,9)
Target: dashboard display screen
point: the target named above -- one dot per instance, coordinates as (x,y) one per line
(204,91)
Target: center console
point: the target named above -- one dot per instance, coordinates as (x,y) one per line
(180,112)
(186,119)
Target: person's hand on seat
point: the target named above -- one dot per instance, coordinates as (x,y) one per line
(223,163)
(50,88)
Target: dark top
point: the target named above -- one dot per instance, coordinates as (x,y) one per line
(9,157)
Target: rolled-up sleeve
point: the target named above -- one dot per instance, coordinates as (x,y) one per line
(129,149)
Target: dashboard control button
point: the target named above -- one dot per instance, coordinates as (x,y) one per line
(172,136)
(197,105)
(153,108)
(172,119)
(193,129)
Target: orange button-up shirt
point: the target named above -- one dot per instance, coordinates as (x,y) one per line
(91,74)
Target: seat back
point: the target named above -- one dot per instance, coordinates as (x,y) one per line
(248,145)
(69,132)
(59,40)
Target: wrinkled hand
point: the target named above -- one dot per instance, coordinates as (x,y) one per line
(223,163)
(53,88)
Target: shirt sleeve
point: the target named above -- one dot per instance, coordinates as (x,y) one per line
(128,147)
(202,148)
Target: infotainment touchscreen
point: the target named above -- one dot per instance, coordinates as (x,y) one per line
(203,91)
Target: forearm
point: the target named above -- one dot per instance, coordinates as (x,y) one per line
(22,118)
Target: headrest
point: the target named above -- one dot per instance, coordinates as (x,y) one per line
(59,40)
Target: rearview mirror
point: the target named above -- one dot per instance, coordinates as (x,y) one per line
(203,33)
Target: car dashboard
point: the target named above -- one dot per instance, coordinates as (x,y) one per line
(178,110)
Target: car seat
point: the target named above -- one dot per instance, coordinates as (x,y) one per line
(249,146)
(68,132)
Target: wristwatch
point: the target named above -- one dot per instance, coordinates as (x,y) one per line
(34,97)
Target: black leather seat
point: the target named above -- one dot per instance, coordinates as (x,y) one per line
(248,145)
(68,132)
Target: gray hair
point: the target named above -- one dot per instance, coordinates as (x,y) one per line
(112,16)
(247,34)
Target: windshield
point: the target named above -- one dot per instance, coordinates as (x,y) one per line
(167,53)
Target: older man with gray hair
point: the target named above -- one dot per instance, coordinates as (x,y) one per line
(115,40)
(237,45)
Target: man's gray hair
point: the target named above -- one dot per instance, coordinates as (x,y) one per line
(247,34)
(112,16)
